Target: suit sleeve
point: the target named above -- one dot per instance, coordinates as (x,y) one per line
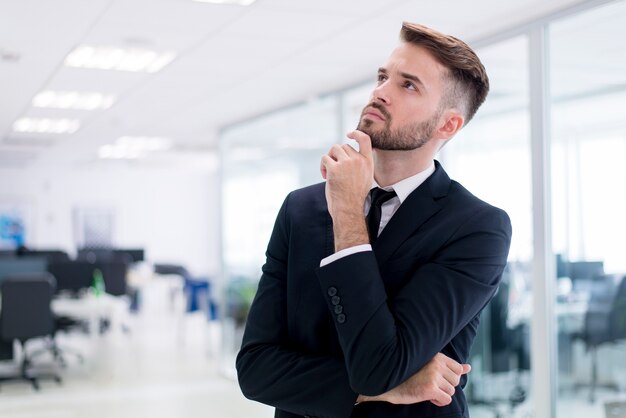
(386,341)
(272,372)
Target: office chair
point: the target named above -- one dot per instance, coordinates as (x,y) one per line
(605,322)
(71,277)
(500,350)
(114,272)
(26,314)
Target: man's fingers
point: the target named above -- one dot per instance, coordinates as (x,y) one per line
(364,141)
(350,151)
(454,365)
(323,169)
(451,377)
(337,153)
(442,399)
(447,387)
(326,163)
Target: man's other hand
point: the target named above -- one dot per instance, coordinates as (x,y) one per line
(435,382)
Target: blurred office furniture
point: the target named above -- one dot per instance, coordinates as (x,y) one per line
(72,277)
(114,273)
(135,255)
(605,321)
(50,255)
(615,409)
(195,293)
(583,273)
(89,309)
(15,266)
(26,314)
(196,290)
(176,275)
(501,354)
(130,255)
(113,262)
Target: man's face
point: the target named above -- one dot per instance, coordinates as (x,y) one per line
(404,109)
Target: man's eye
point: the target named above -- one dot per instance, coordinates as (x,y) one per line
(409,85)
(381,78)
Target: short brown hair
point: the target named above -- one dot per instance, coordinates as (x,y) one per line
(468,82)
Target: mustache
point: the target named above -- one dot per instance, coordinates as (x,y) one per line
(380,108)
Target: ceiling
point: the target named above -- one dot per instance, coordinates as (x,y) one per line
(232,62)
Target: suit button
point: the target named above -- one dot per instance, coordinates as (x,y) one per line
(332,291)
(341,318)
(335,300)
(338,309)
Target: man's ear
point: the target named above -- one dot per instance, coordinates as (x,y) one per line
(452,122)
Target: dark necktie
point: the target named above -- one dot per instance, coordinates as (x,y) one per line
(379,196)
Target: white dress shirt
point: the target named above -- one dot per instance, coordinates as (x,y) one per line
(403,189)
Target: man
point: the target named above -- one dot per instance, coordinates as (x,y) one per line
(374,316)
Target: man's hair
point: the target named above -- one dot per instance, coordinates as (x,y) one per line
(467,83)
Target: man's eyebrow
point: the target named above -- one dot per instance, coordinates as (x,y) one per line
(413,77)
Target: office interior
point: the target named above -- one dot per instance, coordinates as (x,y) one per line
(146,146)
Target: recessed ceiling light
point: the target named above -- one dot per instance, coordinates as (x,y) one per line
(110,151)
(145,143)
(237,2)
(46,125)
(73,100)
(131,147)
(113,58)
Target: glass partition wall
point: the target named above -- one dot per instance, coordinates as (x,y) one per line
(262,161)
(265,158)
(491,158)
(588,132)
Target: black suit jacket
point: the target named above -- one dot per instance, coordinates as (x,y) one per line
(318,337)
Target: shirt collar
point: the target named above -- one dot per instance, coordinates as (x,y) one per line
(405,187)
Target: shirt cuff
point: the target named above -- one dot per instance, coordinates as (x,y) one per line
(344,253)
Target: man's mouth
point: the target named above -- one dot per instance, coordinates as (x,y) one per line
(373,114)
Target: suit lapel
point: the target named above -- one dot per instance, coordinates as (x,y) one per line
(417,208)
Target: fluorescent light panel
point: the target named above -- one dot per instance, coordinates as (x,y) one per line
(120,59)
(132,147)
(73,100)
(46,125)
(237,2)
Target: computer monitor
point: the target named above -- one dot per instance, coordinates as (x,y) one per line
(72,276)
(585,270)
(50,255)
(135,254)
(94,254)
(14,267)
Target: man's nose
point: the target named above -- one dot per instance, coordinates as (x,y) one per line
(381,93)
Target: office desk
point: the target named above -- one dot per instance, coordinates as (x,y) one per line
(92,309)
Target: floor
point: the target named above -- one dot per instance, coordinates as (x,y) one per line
(165,367)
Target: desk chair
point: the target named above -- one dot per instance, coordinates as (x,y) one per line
(605,321)
(71,277)
(114,272)
(26,314)
(502,352)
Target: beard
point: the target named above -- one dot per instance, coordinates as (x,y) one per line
(405,138)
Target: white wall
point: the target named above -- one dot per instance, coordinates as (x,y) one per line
(172,213)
